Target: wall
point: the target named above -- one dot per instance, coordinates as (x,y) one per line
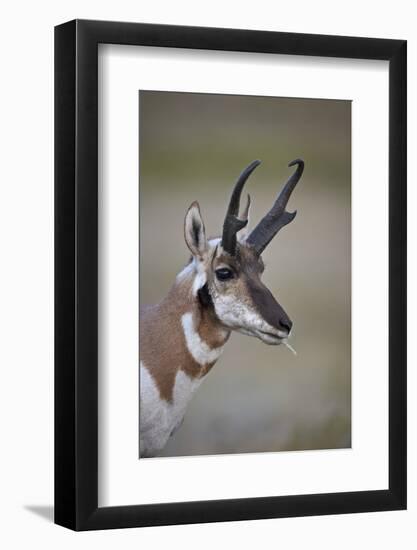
(27,276)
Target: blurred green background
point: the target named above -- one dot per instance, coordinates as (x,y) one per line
(258,398)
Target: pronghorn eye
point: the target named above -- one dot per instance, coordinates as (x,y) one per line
(224,273)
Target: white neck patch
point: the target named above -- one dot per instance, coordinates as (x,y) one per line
(199,350)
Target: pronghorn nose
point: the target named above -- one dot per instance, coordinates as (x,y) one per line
(285,324)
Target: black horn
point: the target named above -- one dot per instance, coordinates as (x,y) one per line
(277,217)
(232,223)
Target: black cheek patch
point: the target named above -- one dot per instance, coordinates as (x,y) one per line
(204,296)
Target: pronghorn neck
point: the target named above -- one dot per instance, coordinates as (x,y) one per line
(202,331)
(180,340)
(181,335)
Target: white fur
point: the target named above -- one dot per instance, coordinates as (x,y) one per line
(214,242)
(159,418)
(200,278)
(194,269)
(187,271)
(199,350)
(197,269)
(239,316)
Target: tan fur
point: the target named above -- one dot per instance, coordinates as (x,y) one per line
(249,266)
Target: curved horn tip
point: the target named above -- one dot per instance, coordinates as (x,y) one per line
(297,161)
(251,167)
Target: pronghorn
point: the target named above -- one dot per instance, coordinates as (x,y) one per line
(220,290)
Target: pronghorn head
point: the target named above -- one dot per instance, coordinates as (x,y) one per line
(228,270)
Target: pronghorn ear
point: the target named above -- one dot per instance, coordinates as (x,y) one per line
(194,232)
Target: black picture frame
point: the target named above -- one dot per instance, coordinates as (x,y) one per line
(76,272)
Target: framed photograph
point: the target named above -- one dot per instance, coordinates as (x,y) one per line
(230,255)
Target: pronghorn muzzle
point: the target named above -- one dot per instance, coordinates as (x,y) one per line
(269,309)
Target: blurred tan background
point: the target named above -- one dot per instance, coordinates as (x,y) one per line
(258,398)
